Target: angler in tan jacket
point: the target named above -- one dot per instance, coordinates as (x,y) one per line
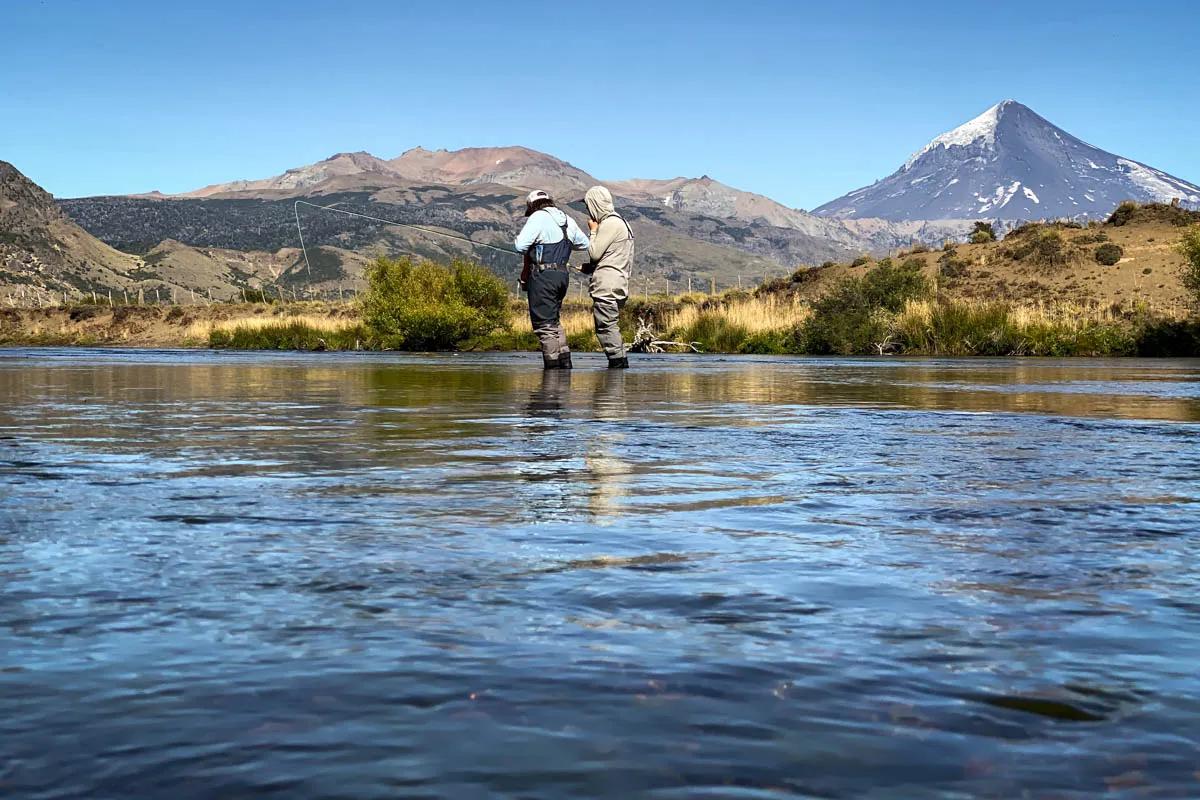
(611,261)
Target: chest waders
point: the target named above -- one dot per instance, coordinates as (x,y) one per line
(547,287)
(609,288)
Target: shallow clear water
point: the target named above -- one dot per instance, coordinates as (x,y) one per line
(387,576)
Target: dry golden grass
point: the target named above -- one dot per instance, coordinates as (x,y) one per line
(574,320)
(202,328)
(754,314)
(1023,315)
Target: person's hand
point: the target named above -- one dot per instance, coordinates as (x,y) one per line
(592,225)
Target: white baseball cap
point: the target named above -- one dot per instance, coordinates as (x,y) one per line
(534,196)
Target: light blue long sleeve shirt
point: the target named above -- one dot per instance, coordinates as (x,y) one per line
(545,227)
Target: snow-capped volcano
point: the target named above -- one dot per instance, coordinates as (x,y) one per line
(1010,163)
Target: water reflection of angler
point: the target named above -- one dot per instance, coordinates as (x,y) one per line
(547,400)
(551,465)
(546,241)
(609,475)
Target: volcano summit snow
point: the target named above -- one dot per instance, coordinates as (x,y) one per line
(1009,163)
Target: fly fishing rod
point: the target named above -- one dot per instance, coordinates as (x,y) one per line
(304,249)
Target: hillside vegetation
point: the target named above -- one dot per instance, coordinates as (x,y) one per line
(1130,286)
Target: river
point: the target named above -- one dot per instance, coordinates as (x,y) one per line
(360,576)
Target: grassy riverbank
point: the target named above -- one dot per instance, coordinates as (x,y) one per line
(736,322)
(773,325)
(919,302)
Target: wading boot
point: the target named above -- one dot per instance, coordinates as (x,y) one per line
(562,362)
(619,363)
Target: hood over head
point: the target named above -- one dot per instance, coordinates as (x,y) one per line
(599,203)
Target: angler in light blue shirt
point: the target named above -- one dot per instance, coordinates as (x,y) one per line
(546,241)
(545,226)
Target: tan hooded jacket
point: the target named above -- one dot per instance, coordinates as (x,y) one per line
(612,243)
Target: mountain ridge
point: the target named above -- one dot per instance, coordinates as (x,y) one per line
(523,169)
(1009,163)
(40,246)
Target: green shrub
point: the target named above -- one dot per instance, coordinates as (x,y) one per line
(1130,211)
(856,315)
(1050,249)
(960,329)
(584,342)
(481,289)
(767,343)
(1168,338)
(424,306)
(258,296)
(1109,254)
(889,286)
(714,333)
(1092,339)
(950,266)
(1037,244)
(843,323)
(1122,214)
(1189,246)
(982,233)
(861,261)
(290,336)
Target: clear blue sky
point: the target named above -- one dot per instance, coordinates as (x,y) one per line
(800,101)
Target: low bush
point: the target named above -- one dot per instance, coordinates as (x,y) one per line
(982,233)
(1168,338)
(294,335)
(1130,211)
(1092,238)
(1038,245)
(1123,214)
(1189,246)
(713,331)
(767,343)
(957,329)
(411,305)
(258,296)
(861,261)
(584,342)
(1109,254)
(951,266)
(890,286)
(856,316)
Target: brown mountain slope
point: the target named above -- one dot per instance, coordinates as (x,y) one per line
(44,255)
(300,179)
(521,169)
(41,247)
(518,167)
(1021,268)
(706,196)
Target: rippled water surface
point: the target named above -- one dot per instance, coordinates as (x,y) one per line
(385,576)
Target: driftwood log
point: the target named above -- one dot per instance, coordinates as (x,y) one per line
(645,341)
